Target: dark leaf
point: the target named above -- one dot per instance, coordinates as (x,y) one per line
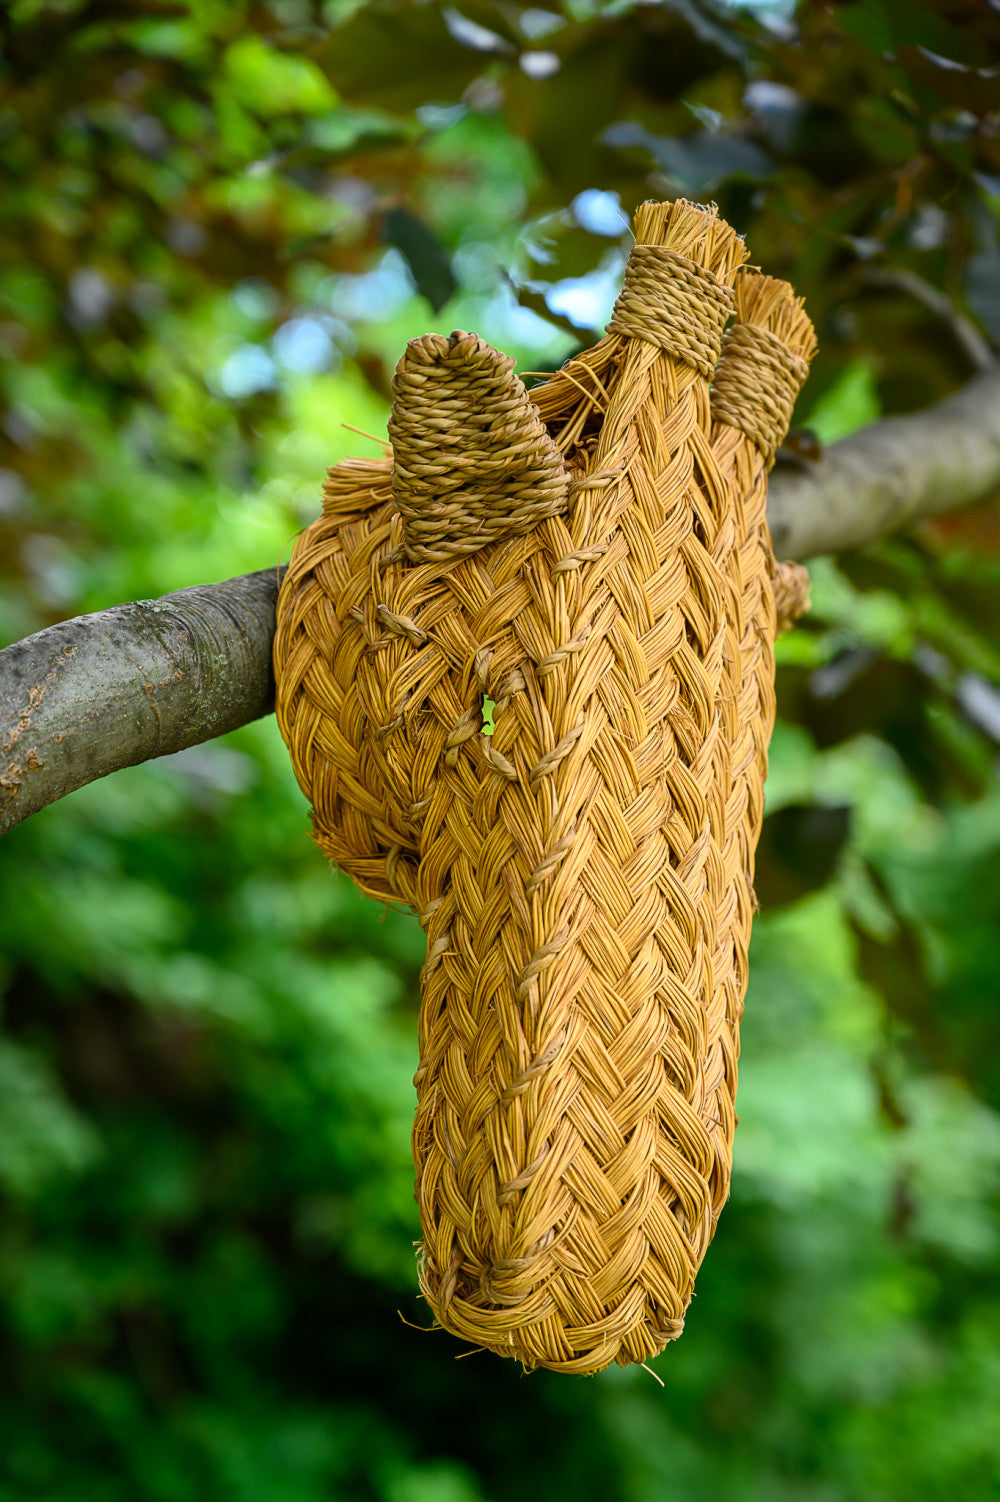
(798,851)
(423,252)
(472,33)
(889,26)
(974,89)
(862,691)
(801,446)
(711,30)
(372,58)
(950,1005)
(698,162)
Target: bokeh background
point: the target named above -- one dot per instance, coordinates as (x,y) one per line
(220,223)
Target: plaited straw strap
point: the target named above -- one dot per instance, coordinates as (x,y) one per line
(765,360)
(756,383)
(472,464)
(671,302)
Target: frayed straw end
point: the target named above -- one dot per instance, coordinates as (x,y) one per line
(693,230)
(765,361)
(772,305)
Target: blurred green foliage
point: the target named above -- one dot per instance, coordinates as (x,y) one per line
(221,222)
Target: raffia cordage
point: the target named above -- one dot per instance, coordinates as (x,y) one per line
(594,558)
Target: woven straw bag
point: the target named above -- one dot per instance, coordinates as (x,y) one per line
(594,559)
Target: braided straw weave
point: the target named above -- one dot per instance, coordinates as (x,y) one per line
(583,874)
(765,356)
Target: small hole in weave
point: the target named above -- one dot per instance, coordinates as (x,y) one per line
(489,707)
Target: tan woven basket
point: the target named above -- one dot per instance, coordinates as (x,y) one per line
(593,559)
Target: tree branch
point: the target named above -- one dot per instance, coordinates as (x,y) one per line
(106,691)
(109,690)
(890,475)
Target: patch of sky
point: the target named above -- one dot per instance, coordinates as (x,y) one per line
(246,371)
(981,702)
(255,298)
(539,64)
(440,116)
(777,10)
(476,266)
(535,23)
(91,297)
(587,300)
(765,94)
(374,296)
(304,344)
(929,228)
(502,320)
(777,110)
(599,212)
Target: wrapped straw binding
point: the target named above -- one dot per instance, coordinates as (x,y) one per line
(594,559)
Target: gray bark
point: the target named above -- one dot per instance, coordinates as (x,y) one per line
(109,690)
(890,475)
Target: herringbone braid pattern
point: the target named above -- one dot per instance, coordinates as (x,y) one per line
(518,832)
(780,330)
(773,594)
(318,645)
(564,1161)
(329,627)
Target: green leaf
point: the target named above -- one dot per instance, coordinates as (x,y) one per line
(41,1135)
(851,402)
(276,83)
